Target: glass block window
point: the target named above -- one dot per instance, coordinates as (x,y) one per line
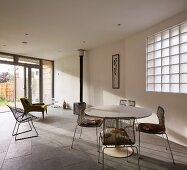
(166,62)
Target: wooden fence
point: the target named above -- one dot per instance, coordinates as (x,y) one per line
(7,91)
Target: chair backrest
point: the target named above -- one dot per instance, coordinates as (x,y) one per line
(76,107)
(161,117)
(25,102)
(127,102)
(18,113)
(81,113)
(118,131)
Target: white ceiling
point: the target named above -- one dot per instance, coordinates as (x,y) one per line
(59,27)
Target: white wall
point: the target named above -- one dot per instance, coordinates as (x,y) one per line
(133,80)
(67,79)
(100,75)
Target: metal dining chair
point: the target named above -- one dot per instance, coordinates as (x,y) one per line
(82,121)
(127,102)
(117,133)
(159,129)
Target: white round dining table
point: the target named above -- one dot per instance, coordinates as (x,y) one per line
(118,111)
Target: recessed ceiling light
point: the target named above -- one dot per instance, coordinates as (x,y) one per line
(24,42)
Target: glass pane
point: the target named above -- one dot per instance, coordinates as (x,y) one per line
(174,69)
(150,87)
(184,28)
(158,45)
(165,87)
(20,88)
(165,34)
(6,57)
(150,40)
(157,79)
(174,88)
(158,54)
(183,38)
(158,87)
(175,31)
(183,88)
(174,59)
(183,48)
(35,84)
(183,78)
(150,79)
(150,71)
(158,37)
(175,78)
(165,52)
(28,61)
(165,70)
(183,68)
(183,58)
(150,63)
(157,70)
(150,47)
(165,79)
(165,43)
(158,62)
(47,81)
(174,50)
(150,56)
(174,40)
(7,87)
(165,61)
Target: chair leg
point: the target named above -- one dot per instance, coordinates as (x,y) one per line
(99,150)
(170,149)
(17,131)
(103,154)
(29,125)
(34,129)
(46,111)
(73,137)
(80,133)
(164,141)
(127,153)
(137,156)
(13,134)
(26,131)
(97,137)
(43,114)
(139,144)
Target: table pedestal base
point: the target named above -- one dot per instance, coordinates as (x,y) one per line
(118,152)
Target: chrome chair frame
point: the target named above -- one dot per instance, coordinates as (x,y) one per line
(21,117)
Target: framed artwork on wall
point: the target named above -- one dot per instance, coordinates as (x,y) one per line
(115,72)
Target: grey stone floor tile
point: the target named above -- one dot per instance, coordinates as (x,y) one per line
(19,149)
(19,163)
(53,164)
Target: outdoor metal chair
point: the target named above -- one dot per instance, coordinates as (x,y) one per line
(21,117)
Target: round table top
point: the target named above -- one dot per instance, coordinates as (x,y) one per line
(118,111)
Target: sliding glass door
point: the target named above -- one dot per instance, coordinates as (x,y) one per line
(7,88)
(22,76)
